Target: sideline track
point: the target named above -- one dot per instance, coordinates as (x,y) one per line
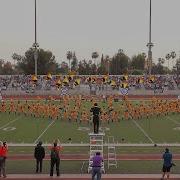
(87,145)
(85,157)
(88,176)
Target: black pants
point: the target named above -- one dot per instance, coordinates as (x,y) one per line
(2,166)
(96,171)
(39,165)
(96,126)
(57,163)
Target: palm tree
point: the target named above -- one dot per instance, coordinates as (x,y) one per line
(168,56)
(95,55)
(161,61)
(120,51)
(69,56)
(173,55)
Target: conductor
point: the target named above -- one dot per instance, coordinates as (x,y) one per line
(96,111)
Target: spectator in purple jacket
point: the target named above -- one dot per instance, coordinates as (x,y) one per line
(96,166)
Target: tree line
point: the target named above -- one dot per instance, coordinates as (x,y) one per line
(118,64)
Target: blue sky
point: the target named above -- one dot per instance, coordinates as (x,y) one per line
(85,26)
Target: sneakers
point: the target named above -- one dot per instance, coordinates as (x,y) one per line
(3,176)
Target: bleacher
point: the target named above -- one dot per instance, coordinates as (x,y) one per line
(23,84)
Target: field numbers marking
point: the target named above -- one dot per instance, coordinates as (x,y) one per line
(86,129)
(177,128)
(175,122)
(83,129)
(9,129)
(9,123)
(143,131)
(44,132)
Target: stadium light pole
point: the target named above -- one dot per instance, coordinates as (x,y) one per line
(35,45)
(150,44)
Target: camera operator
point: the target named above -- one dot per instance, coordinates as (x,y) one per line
(3,156)
(167,164)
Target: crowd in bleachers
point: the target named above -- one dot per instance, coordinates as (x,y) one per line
(177,81)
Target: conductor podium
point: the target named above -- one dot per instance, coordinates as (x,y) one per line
(96,145)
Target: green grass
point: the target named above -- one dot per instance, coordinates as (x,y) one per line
(161,129)
(85,150)
(28,129)
(74,167)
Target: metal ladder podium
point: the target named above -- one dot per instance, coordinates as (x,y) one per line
(112,161)
(96,145)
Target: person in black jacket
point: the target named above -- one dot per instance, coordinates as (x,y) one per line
(39,154)
(96,112)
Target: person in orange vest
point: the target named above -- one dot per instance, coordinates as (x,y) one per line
(55,157)
(3,156)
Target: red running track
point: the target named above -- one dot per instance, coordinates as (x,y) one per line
(74,157)
(89,178)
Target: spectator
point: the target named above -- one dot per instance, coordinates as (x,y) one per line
(39,154)
(55,157)
(167,157)
(96,166)
(3,156)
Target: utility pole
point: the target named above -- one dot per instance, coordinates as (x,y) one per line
(150,44)
(35,45)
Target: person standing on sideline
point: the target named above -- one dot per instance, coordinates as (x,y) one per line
(96,112)
(39,154)
(167,157)
(3,156)
(96,166)
(55,157)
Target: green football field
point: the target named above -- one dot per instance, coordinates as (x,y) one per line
(16,128)
(22,129)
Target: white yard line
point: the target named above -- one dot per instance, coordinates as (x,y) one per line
(143,131)
(9,123)
(44,132)
(87,145)
(174,121)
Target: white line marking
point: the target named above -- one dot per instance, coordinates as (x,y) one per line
(105,145)
(9,123)
(142,130)
(174,121)
(44,131)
